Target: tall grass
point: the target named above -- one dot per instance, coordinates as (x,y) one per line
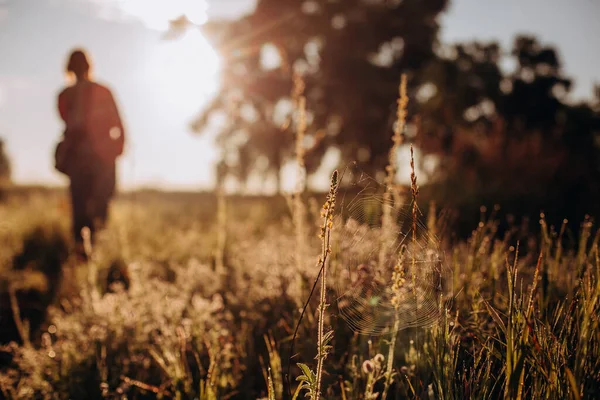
(388,220)
(520,327)
(298,207)
(312,381)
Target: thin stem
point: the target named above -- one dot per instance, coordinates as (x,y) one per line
(328,209)
(325,251)
(390,357)
(22,328)
(388,222)
(322,306)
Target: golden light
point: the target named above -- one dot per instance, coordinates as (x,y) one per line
(156,14)
(186,68)
(186,65)
(181,74)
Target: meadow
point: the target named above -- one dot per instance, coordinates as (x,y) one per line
(216,285)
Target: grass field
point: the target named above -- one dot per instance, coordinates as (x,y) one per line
(214,289)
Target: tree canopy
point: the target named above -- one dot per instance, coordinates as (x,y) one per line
(351,55)
(488,115)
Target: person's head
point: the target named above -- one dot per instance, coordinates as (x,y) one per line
(78,64)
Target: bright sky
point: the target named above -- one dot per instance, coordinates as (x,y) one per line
(160,85)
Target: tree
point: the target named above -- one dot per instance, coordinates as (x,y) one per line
(511,137)
(351,54)
(501,135)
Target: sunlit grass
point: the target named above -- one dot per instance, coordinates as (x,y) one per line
(182,330)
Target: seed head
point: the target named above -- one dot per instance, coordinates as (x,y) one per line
(368,367)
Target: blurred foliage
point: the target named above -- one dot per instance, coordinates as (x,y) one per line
(350,55)
(499,125)
(510,137)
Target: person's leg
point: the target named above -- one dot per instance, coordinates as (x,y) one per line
(104,186)
(79,205)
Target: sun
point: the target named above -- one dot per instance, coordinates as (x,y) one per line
(185,66)
(180,73)
(156,14)
(187,60)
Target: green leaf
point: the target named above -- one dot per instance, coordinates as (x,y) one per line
(310,376)
(327,337)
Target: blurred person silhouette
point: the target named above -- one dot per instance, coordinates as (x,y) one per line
(92,141)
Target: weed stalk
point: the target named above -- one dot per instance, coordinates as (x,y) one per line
(299,210)
(323,338)
(398,279)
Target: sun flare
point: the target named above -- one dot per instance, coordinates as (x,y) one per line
(187,67)
(181,71)
(156,14)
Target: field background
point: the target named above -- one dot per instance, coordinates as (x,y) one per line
(186,329)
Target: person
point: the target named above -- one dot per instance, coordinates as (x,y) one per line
(92,141)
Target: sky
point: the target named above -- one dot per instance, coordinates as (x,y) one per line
(160,85)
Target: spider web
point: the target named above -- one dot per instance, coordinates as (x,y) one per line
(366,255)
